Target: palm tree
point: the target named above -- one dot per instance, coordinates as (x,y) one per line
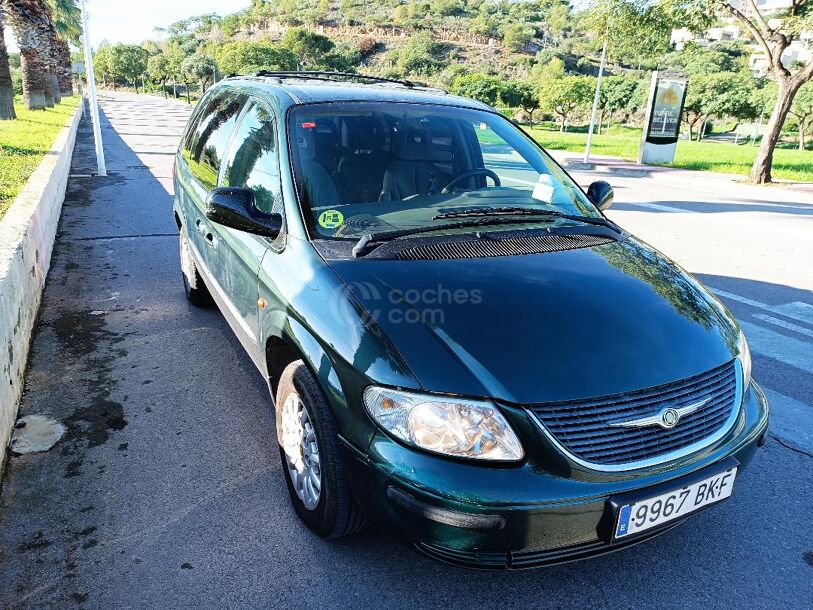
(6,86)
(67,18)
(29,19)
(51,59)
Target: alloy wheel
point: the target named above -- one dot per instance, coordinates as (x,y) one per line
(301,451)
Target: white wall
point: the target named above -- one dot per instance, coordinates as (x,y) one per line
(27,234)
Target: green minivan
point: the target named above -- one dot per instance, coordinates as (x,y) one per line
(460,347)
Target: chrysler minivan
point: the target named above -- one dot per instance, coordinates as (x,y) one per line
(459,345)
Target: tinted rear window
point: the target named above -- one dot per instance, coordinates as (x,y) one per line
(206,145)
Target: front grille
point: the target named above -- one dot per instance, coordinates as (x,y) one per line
(584,428)
(507,246)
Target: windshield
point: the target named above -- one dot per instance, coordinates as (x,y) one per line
(369,168)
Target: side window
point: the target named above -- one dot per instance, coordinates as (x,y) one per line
(205,106)
(206,146)
(253,160)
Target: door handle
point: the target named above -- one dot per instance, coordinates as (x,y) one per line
(211,240)
(200,226)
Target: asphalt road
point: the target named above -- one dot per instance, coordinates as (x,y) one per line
(167,490)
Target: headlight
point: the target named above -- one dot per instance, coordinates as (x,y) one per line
(744,355)
(451,426)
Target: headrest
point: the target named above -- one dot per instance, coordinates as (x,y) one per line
(326,134)
(362,134)
(421,142)
(411,143)
(306,143)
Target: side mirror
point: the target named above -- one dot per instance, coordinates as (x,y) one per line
(601,194)
(234,207)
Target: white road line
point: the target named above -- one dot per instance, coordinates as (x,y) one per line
(655,206)
(808,208)
(803,312)
(791,420)
(783,324)
(796,310)
(795,352)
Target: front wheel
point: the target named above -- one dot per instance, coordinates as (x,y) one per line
(312,459)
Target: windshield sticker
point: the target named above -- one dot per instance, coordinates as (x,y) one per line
(543,190)
(330,219)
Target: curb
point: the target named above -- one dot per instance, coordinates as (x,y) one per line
(27,233)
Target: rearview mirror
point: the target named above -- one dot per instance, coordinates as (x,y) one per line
(234,207)
(601,194)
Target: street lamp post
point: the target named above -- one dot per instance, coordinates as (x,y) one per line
(595,102)
(101,167)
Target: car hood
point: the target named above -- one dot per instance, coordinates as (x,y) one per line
(545,327)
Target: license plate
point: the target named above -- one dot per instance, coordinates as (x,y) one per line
(653,512)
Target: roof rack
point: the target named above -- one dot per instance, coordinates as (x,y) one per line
(327,75)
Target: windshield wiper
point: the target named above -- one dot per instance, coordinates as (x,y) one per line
(523,211)
(369,240)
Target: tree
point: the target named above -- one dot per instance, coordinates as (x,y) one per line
(308,47)
(563,96)
(101,63)
(521,94)
(242,57)
(723,94)
(67,18)
(29,19)
(552,70)
(52,54)
(175,57)
(695,59)
(802,109)
(635,30)
(517,35)
(420,55)
(344,58)
(773,36)
(158,69)
(559,20)
(6,84)
(447,8)
(200,68)
(617,93)
(478,86)
(128,61)
(696,104)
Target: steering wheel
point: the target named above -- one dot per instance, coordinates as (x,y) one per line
(480,171)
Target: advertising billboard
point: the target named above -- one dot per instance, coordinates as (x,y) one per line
(666,108)
(664,112)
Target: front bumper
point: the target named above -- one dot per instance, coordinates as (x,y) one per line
(522,516)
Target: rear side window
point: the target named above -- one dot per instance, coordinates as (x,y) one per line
(253,160)
(207,144)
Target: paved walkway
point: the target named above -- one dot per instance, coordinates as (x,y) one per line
(167,490)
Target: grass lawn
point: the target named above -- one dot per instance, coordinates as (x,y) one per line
(789,163)
(24,142)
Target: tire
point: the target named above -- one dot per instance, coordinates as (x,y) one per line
(196,291)
(335,513)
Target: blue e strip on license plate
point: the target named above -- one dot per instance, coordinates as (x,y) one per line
(655,511)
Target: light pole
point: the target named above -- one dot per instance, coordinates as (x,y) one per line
(595,102)
(101,167)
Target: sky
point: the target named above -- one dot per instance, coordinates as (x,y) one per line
(131,21)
